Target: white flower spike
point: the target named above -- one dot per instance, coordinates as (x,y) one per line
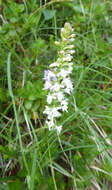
(57,80)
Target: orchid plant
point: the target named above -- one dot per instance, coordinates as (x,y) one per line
(57,79)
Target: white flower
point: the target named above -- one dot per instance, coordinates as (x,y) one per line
(72,35)
(64,102)
(64,105)
(67,90)
(63,73)
(60,96)
(69,47)
(64,39)
(70,69)
(45,74)
(58,60)
(68,27)
(57,43)
(64,108)
(47,85)
(58,128)
(72,39)
(56,87)
(54,64)
(68,57)
(47,110)
(50,76)
(55,113)
(68,84)
(52,112)
(62,52)
(50,124)
(50,97)
(62,30)
(72,51)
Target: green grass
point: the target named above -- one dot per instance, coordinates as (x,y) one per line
(31,157)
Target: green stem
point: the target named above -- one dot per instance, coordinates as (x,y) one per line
(52,170)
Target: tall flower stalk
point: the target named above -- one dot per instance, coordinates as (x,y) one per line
(57,79)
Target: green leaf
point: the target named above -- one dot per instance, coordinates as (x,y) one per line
(49,14)
(3,187)
(28,105)
(15,185)
(32,97)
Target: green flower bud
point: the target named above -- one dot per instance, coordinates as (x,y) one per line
(66,31)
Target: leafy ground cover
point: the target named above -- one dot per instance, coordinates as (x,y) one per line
(31,157)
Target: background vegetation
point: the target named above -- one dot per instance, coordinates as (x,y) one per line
(31,157)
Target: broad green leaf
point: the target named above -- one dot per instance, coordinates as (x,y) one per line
(49,14)
(28,105)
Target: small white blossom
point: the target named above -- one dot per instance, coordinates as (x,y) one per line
(72,39)
(68,85)
(60,96)
(62,30)
(68,57)
(55,64)
(63,73)
(50,98)
(55,113)
(62,52)
(57,43)
(64,105)
(56,87)
(50,124)
(64,39)
(67,90)
(59,128)
(72,51)
(67,82)
(47,110)
(52,112)
(47,85)
(65,108)
(69,47)
(64,102)
(70,69)
(72,35)
(49,76)
(58,60)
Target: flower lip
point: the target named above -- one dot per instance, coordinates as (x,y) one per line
(45,75)
(59,128)
(49,76)
(54,64)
